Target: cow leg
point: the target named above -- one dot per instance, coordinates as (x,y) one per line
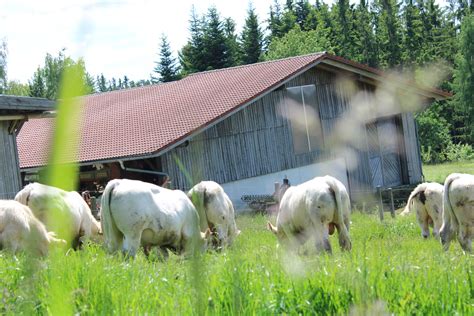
(446,232)
(321,235)
(131,243)
(343,234)
(464,238)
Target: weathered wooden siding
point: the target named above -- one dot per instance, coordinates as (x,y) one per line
(257,140)
(9,166)
(412,149)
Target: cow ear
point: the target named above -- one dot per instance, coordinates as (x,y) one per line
(272,228)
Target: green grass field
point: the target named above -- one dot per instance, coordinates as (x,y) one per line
(437,173)
(391,269)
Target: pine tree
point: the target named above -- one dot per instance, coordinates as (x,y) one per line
(37,85)
(192,56)
(464,76)
(413,37)
(302,10)
(343,27)
(252,38)
(166,69)
(215,48)
(274,22)
(234,55)
(101,83)
(365,49)
(388,33)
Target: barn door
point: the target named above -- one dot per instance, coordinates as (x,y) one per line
(384,153)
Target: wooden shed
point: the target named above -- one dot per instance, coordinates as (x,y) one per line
(14,111)
(247,127)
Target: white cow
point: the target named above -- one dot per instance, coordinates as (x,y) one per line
(216,212)
(426,200)
(312,209)
(458,210)
(43,200)
(137,213)
(21,230)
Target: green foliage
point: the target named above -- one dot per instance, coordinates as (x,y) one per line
(388,33)
(295,43)
(166,69)
(434,136)
(17,88)
(391,270)
(46,80)
(3,66)
(459,152)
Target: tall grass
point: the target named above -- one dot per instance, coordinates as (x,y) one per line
(391,269)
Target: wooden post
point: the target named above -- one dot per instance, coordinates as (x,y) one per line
(379,193)
(392,206)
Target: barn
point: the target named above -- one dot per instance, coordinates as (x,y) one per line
(248,127)
(14,111)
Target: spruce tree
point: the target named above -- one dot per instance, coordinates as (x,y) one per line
(388,33)
(252,38)
(464,76)
(101,83)
(343,27)
(365,48)
(37,85)
(274,22)
(302,9)
(166,69)
(233,45)
(215,45)
(192,57)
(413,34)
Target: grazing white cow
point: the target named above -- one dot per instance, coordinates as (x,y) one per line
(43,200)
(311,210)
(137,213)
(458,210)
(426,200)
(21,230)
(216,212)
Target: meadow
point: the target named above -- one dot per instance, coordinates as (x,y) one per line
(391,269)
(439,172)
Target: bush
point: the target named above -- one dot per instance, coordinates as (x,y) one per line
(434,136)
(459,152)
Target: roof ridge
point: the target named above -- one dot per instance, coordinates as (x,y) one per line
(259,63)
(132,88)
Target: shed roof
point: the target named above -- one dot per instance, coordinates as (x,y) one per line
(150,120)
(10,104)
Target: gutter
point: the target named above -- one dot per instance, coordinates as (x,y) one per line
(141,170)
(47,114)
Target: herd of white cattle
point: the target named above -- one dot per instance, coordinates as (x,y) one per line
(137,214)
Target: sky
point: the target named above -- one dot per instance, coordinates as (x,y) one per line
(115,37)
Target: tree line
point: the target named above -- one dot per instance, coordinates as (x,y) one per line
(386,34)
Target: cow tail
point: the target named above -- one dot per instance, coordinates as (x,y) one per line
(198,197)
(109,229)
(337,195)
(418,189)
(448,214)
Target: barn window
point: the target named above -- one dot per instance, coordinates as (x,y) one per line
(303,112)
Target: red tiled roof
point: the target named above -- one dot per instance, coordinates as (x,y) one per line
(147,120)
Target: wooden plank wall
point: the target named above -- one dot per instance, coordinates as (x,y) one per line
(412,149)
(257,140)
(9,166)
